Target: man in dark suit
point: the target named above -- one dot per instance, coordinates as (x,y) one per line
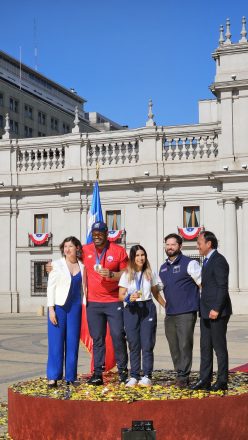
(215,311)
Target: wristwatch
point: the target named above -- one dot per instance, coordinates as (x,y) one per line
(111,274)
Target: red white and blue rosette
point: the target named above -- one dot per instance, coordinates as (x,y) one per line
(114,235)
(39,239)
(190,233)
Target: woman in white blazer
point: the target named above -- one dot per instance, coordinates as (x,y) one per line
(64,301)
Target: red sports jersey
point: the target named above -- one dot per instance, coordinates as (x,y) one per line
(101,289)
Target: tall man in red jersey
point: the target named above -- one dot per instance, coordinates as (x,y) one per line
(104,262)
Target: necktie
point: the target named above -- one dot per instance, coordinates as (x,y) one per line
(205,261)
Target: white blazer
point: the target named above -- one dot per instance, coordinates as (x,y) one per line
(59,281)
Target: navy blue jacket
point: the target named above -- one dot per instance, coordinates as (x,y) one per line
(180,290)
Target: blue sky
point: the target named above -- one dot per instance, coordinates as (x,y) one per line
(118,54)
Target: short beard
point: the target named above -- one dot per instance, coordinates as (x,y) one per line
(173,254)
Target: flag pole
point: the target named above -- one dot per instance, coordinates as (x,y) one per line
(97,171)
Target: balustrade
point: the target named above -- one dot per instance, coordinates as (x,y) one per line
(35,159)
(113,153)
(197,147)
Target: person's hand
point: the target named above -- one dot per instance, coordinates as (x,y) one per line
(49,267)
(104,272)
(213,314)
(52,316)
(134,296)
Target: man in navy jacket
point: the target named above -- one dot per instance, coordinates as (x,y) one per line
(215,310)
(180,276)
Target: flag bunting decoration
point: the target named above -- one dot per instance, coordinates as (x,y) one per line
(114,235)
(39,238)
(190,233)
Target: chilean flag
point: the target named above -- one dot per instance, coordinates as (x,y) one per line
(95,215)
(95,212)
(190,233)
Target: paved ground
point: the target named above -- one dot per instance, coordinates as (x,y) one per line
(23,348)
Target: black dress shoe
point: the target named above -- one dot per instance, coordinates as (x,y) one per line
(217,386)
(123,375)
(201,385)
(182,383)
(52,384)
(69,382)
(95,379)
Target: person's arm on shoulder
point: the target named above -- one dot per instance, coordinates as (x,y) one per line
(194,270)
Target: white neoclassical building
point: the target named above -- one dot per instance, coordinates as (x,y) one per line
(153,180)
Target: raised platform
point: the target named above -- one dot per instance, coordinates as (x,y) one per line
(184,415)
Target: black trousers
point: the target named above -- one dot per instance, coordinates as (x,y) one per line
(98,314)
(179,331)
(213,337)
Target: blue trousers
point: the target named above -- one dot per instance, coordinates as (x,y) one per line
(140,321)
(98,314)
(63,342)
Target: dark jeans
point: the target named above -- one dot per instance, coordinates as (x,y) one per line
(98,314)
(213,337)
(179,331)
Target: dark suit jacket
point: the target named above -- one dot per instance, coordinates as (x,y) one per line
(215,295)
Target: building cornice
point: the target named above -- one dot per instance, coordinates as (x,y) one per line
(230,49)
(228,85)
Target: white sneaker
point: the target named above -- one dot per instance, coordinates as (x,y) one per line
(131,382)
(145,382)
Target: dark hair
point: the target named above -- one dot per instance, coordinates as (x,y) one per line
(76,243)
(177,237)
(209,236)
(131,263)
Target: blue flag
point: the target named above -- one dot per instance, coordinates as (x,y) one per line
(95,212)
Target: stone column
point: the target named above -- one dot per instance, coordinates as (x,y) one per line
(160,232)
(160,239)
(231,241)
(148,231)
(13,261)
(243,254)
